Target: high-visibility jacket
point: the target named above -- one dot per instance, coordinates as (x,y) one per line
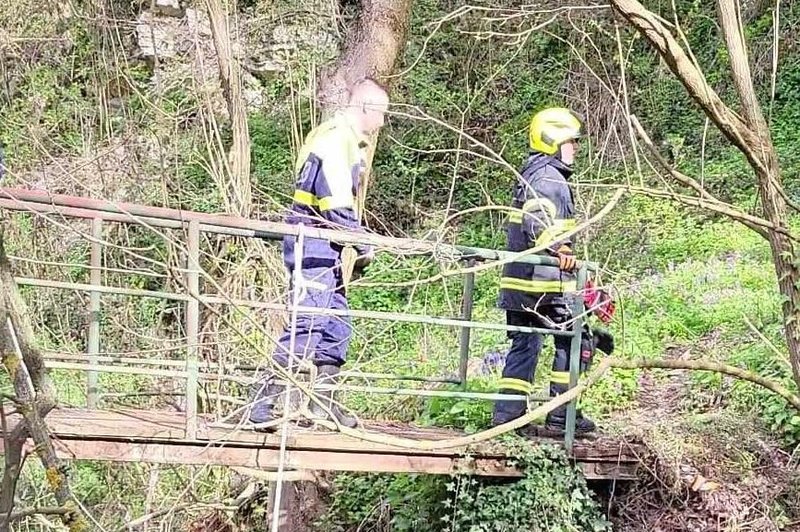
(544,211)
(328,169)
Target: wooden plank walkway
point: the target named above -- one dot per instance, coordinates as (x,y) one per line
(127,435)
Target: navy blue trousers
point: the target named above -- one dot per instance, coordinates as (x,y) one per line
(523,357)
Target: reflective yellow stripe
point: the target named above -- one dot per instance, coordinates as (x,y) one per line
(519,385)
(327,203)
(532,205)
(541,204)
(559,377)
(552,233)
(305,198)
(539,287)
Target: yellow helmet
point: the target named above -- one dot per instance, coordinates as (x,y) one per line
(552,127)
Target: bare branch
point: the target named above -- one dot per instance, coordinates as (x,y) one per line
(14,443)
(753,222)
(176,509)
(730,17)
(272,476)
(681,178)
(25,366)
(552,404)
(782,356)
(728,122)
(238,191)
(706,200)
(704,365)
(45,510)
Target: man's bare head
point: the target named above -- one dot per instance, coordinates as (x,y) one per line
(367,105)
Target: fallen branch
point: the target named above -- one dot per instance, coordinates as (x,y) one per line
(494,432)
(703,365)
(781,355)
(273,476)
(512,257)
(719,207)
(592,378)
(188,507)
(759,225)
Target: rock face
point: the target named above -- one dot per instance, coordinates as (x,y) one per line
(168,8)
(157,38)
(176,41)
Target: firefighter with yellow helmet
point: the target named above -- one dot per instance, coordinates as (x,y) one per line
(535,295)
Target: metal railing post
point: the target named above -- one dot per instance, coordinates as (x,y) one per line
(93,339)
(466,314)
(575,355)
(192,326)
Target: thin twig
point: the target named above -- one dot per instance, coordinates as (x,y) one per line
(45,510)
(781,355)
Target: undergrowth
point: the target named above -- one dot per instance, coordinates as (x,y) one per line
(552,496)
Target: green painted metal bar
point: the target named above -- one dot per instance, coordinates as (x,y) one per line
(178,374)
(368,314)
(43,202)
(93,335)
(431,393)
(192,326)
(464,337)
(575,356)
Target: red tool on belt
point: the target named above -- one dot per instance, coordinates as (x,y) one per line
(599,301)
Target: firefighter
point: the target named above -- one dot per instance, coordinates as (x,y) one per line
(535,295)
(328,169)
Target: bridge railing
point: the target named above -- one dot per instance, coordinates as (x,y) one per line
(101,212)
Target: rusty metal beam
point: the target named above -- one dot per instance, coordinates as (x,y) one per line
(82,207)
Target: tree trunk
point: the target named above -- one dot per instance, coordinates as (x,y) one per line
(784,258)
(764,161)
(372,49)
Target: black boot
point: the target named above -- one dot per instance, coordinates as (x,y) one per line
(505,411)
(264,395)
(328,375)
(557,421)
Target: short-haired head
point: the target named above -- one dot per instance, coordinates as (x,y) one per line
(367,104)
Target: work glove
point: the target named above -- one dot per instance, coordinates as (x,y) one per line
(603,340)
(366,254)
(566,259)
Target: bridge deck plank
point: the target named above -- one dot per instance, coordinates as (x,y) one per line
(159,437)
